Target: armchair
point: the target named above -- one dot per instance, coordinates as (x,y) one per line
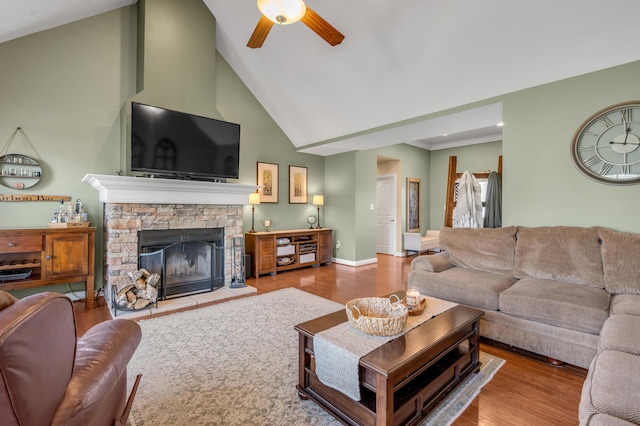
(414,241)
(49,377)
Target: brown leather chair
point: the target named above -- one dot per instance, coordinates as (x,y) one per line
(49,377)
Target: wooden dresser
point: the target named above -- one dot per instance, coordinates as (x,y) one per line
(276,251)
(49,256)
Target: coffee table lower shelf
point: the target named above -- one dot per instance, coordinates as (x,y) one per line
(405,379)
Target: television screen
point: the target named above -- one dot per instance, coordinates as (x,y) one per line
(176,144)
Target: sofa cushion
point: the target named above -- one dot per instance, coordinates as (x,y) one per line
(620,254)
(625,304)
(567,305)
(621,333)
(611,388)
(561,253)
(462,285)
(484,249)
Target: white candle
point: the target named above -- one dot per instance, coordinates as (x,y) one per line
(413,298)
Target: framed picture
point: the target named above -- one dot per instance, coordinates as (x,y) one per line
(413,205)
(267,178)
(297,185)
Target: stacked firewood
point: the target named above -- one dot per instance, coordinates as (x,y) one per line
(141,292)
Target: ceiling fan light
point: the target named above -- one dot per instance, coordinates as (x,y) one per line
(283,12)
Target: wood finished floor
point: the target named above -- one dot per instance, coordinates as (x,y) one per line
(526,391)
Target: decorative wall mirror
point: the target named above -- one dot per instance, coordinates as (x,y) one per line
(19,171)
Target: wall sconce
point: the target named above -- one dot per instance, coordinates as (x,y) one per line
(318,200)
(254,198)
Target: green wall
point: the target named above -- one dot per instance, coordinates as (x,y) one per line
(262,140)
(65,87)
(340,205)
(541,184)
(415,163)
(177,42)
(350,181)
(69,88)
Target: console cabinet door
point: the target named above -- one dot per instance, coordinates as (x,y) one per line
(324,247)
(67,255)
(267,255)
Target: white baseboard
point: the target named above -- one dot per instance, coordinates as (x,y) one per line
(355,263)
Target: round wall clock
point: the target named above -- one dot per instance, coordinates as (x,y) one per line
(606,147)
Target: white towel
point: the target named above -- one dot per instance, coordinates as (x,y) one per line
(468,210)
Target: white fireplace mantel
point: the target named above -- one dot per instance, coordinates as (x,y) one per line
(130,189)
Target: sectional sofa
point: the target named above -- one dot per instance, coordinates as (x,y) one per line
(569,293)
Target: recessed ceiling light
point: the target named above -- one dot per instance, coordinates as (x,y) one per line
(445,134)
(500,124)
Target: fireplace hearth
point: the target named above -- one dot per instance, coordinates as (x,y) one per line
(124,221)
(189,261)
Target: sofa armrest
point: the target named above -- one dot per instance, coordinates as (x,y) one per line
(432,263)
(102,355)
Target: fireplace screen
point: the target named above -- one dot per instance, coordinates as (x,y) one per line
(194,264)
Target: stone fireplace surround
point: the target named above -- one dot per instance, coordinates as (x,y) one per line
(132,204)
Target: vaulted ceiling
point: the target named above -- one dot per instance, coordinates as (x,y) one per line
(407,71)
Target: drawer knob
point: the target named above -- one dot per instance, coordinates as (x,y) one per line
(49,256)
(12,244)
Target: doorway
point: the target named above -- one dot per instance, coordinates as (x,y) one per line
(386,214)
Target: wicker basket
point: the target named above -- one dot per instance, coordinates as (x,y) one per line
(377,316)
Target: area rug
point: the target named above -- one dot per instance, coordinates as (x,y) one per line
(236,363)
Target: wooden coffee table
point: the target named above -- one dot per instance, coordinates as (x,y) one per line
(402,381)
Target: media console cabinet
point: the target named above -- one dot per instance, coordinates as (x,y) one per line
(37,257)
(276,251)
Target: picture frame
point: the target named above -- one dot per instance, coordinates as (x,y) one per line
(413,205)
(267,178)
(298,185)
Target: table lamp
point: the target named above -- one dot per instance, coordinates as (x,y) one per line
(318,200)
(254,198)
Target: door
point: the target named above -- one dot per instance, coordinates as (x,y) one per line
(266,261)
(386,214)
(324,247)
(67,254)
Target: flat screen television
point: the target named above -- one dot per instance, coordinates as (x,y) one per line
(173,144)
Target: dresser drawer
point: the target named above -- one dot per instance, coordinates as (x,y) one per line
(20,244)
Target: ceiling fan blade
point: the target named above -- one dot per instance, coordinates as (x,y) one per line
(260,33)
(321,27)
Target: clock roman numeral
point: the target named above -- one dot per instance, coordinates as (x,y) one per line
(606,167)
(606,121)
(586,148)
(626,115)
(589,132)
(592,161)
(625,168)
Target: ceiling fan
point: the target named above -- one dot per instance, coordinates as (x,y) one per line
(285,12)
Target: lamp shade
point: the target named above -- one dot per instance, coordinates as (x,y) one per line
(254,198)
(283,12)
(318,200)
